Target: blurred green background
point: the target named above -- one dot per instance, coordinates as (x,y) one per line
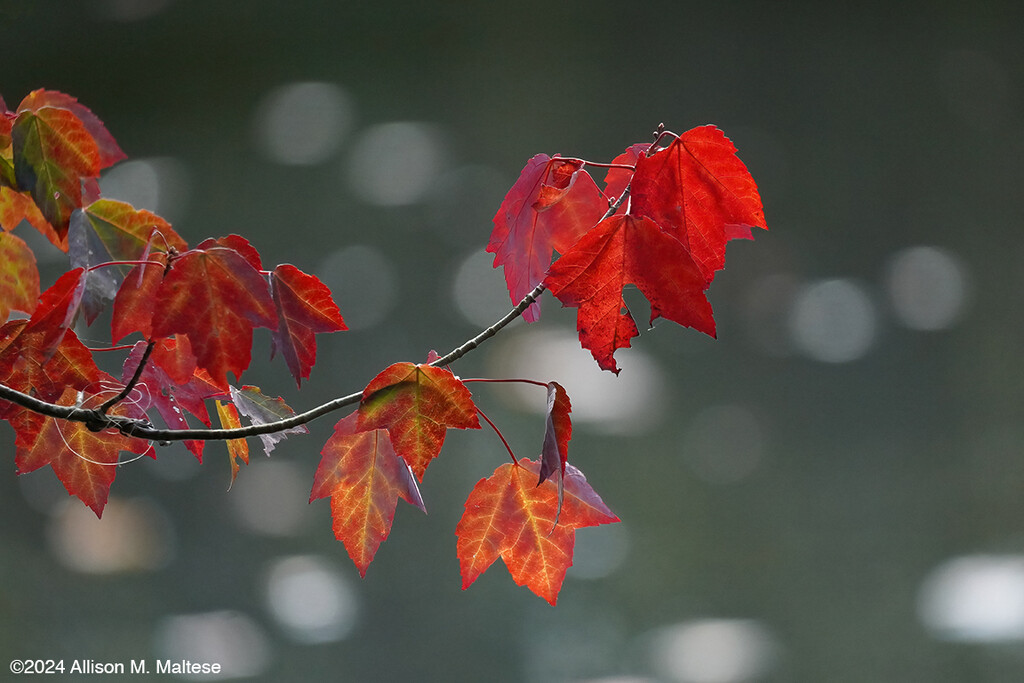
(832,491)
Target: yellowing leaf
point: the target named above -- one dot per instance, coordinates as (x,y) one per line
(364,477)
(53,153)
(509,515)
(417,404)
(19,278)
(238,449)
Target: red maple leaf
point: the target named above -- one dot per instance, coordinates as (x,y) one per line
(699,191)
(617,179)
(24,366)
(239,244)
(133,304)
(174,356)
(625,250)
(6,120)
(364,477)
(56,312)
(216,297)
(417,404)
(508,515)
(552,203)
(304,308)
(85,461)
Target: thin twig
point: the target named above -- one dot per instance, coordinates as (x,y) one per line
(110,403)
(461,351)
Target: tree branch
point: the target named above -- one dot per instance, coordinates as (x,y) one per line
(96,419)
(143,429)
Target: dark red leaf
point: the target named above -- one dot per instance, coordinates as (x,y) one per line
(213,295)
(239,244)
(551,204)
(134,302)
(557,433)
(304,308)
(56,312)
(24,366)
(165,385)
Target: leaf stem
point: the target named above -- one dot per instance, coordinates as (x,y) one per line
(506,379)
(598,164)
(497,431)
(124,263)
(100,349)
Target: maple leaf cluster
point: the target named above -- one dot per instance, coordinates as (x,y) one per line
(194,308)
(187,315)
(678,205)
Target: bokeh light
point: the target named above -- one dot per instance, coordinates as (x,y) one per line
(927,287)
(394,164)
(303,124)
(628,403)
(833,321)
(226,637)
(160,184)
(975,598)
(714,651)
(134,535)
(310,599)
